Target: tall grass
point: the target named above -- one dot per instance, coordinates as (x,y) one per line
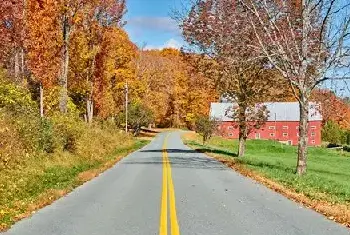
(43,158)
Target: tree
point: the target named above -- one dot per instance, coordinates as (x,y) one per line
(333,108)
(12,36)
(138,116)
(113,69)
(100,15)
(253,118)
(332,133)
(211,28)
(206,127)
(93,21)
(43,45)
(305,41)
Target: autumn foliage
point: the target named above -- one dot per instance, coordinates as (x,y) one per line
(81,58)
(333,108)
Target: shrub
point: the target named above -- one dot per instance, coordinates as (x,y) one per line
(190,121)
(139,115)
(15,98)
(51,104)
(47,141)
(346,148)
(12,149)
(206,127)
(67,131)
(331,132)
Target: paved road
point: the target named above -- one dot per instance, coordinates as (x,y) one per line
(144,195)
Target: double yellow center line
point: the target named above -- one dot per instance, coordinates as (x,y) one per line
(168,190)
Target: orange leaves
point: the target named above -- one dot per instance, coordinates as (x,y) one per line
(333,108)
(113,70)
(172,90)
(43,41)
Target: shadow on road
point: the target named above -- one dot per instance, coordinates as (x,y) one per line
(179,158)
(198,150)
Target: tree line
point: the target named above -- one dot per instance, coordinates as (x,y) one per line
(75,57)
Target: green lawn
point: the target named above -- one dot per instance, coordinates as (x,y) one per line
(327,178)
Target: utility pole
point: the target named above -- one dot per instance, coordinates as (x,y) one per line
(126,107)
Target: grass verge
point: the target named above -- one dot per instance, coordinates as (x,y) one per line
(43,179)
(325,188)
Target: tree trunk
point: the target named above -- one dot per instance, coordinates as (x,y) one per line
(241,147)
(303,136)
(22,65)
(89,109)
(243,135)
(64,68)
(89,99)
(16,64)
(41,101)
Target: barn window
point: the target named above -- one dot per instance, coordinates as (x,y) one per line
(272,127)
(230,134)
(230,127)
(313,142)
(272,134)
(313,134)
(285,134)
(285,127)
(313,127)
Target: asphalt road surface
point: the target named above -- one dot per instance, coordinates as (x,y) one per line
(166,188)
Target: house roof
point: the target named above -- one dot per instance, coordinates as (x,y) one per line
(279,111)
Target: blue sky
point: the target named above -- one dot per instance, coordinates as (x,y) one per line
(149,22)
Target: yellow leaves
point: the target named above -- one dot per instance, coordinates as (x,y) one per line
(51,104)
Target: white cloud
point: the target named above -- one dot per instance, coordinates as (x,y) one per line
(164,24)
(171,43)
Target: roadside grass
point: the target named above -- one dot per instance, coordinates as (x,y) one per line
(327,179)
(44,178)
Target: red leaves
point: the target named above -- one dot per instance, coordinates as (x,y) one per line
(333,108)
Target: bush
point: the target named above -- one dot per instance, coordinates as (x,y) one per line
(67,131)
(15,98)
(12,150)
(206,127)
(332,133)
(47,136)
(139,115)
(190,121)
(346,148)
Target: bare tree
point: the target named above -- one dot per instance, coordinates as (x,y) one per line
(307,41)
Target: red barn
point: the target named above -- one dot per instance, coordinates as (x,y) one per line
(282,124)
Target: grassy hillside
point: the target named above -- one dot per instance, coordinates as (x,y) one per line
(42,159)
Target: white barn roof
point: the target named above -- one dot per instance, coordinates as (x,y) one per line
(279,111)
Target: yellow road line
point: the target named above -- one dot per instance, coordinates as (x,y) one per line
(168,185)
(163,229)
(173,217)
